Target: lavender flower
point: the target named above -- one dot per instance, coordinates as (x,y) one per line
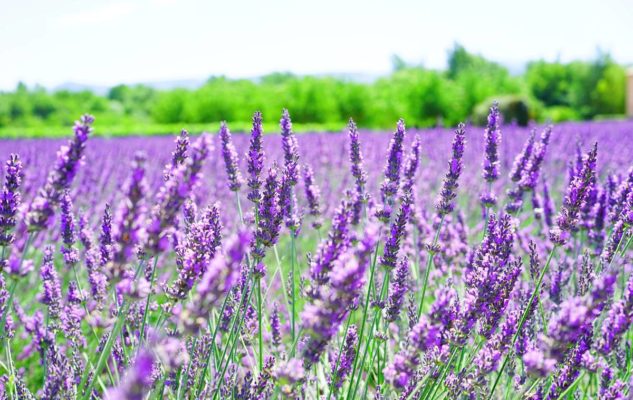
(490,278)
(71,257)
(389,186)
(356,160)
(444,204)
(342,363)
(105,237)
(392,247)
(52,291)
(411,165)
(576,193)
(532,170)
(179,155)
(137,381)
(230,158)
(618,321)
(492,138)
(521,160)
(255,159)
(424,336)
(290,148)
(313,196)
(275,326)
(60,177)
(337,242)
(10,199)
(397,291)
(127,230)
(270,216)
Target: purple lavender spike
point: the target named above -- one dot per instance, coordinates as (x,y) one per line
(230,158)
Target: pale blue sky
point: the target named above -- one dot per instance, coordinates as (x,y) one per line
(102,42)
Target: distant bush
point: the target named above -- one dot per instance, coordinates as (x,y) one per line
(514,108)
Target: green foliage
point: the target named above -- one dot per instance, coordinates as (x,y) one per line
(588,88)
(423,97)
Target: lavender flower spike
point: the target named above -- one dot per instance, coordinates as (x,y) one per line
(290,148)
(10,199)
(397,291)
(492,137)
(356,159)
(230,158)
(389,186)
(411,165)
(137,381)
(270,216)
(255,159)
(313,195)
(128,231)
(52,294)
(576,193)
(521,160)
(179,155)
(444,204)
(71,256)
(60,178)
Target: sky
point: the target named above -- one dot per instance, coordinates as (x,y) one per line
(99,42)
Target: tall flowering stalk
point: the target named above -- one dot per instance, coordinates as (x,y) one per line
(332,247)
(255,159)
(10,199)
(71,256)
(313,196)
(568,217)
(357,168)
(389,186)
(492,138)
(179,155)
(69,158)
(445,202)
(230,158)
(128,231)
(532,170)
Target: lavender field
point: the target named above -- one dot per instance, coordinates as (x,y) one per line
(468,263)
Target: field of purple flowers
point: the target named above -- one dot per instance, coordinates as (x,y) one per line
(475,263)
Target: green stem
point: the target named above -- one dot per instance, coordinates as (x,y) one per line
(259,321)
(149,296)
(211,347)
(365,309)
(103,356)
(236,336)
(338,358)
(293,283)
(370,337)
(429,265)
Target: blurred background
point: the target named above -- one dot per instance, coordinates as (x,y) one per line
(154,66)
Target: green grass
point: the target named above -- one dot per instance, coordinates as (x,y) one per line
(154,129)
